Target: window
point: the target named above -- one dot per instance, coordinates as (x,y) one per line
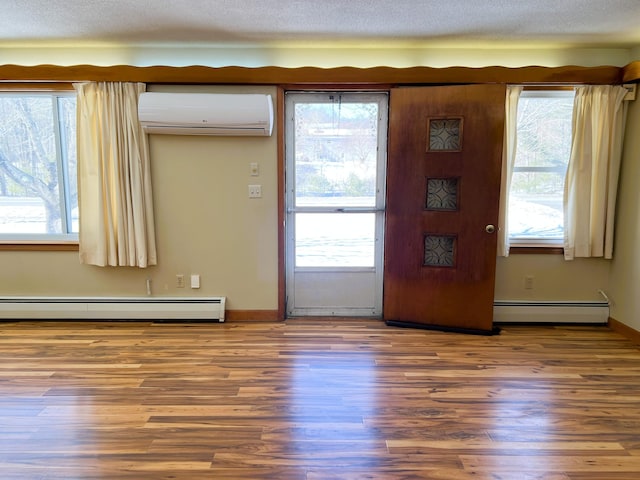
(542,154)
(38,183)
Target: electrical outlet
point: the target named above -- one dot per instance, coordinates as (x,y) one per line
(528,282)
(180,280)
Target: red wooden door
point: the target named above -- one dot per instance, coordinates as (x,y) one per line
(443,184)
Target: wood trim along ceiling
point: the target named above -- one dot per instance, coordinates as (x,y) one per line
(322,76)
(631,73)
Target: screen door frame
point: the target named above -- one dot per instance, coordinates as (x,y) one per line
(335,290)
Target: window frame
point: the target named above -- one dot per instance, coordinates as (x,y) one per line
(528,245)
(56,242)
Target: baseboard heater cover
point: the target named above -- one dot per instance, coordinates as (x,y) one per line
(113,308)
(557,312)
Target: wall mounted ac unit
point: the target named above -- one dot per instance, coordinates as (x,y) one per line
(206,113)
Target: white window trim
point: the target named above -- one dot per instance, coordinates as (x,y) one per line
(536,242)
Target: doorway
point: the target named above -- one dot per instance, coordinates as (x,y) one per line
(335,149)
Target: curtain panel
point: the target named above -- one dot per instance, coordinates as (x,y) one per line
(114,179)
(508,161)
(591,183)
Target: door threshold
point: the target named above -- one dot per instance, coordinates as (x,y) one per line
(332,317)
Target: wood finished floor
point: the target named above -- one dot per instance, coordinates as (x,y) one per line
(316,400)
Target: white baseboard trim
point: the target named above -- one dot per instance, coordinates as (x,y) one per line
(550,312)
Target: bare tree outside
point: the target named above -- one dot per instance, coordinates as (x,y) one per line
(37,164)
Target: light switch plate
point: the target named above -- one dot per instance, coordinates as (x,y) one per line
(255,191)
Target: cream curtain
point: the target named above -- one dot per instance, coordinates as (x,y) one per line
(592,174)
(508,161)
(114,182)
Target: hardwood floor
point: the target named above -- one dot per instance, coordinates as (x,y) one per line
(316,400)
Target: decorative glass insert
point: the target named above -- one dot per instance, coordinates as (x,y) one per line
(439,250)
(442,194)
(445,134)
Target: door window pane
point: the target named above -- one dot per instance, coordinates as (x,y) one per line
(439,250)
(335,239)
(445,134)
(336,153)
(442,194)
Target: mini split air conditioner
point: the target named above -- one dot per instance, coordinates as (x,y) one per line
(206,113)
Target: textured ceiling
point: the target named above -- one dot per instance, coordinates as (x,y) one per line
(592,23)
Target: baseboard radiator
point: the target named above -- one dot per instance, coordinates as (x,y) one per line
(550,312)
(113,308)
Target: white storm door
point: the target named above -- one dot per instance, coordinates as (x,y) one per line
(335,193)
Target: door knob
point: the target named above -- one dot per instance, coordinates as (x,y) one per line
(490,228)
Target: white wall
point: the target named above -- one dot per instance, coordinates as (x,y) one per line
(320,54)
(554,278)
(625,269)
